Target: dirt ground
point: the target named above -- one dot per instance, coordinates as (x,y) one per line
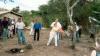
(40,48)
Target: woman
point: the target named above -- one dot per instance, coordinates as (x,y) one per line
(53,34)
(31,28)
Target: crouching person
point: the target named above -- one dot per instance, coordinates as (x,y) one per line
(20,26)
(53,34)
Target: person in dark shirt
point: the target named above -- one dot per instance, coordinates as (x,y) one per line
(0,27)
(5,27)
(37,28)
(9,21)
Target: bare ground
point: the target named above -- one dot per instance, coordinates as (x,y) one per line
(40,48)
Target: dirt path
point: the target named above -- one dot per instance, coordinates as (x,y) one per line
(40,48)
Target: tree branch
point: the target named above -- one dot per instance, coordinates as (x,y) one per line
(74,4)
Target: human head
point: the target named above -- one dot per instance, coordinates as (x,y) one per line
(36,21)
(19,19)
(32,20)
(9,19)
(55,24)
(5,19)
(56,20)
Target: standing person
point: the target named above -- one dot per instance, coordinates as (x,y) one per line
(13,24)
(59,26)
(31,27)
(0,28)
(5,28)
(53,34)
(20,26)
(77,33)
(37,28)
(10,32)
(9,21)
(92,33)
(80,31)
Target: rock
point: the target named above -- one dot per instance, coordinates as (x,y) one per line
(29,46)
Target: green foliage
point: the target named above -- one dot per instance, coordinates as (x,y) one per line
(16,9)
(26,16)
(57,9)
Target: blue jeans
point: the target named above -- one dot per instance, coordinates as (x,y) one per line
(72,35)
(77,36)
(57,37)
(19,34)
(97,53)
(5,33)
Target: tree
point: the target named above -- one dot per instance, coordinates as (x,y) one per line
(5,1)
(16,9)
(26,16)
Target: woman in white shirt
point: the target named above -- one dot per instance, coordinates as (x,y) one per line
(31,28)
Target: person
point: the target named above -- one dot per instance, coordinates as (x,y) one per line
(70,32)
(80,31)
(92,33)
(96,49)
(9,21)
(5,28)
(10,32)
(13,24)
(0,28)
(31,27)
(20,27)
(37,28)
(59,26)
(53,34)
(77,33)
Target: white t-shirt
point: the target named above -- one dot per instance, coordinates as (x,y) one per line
(31,24)
(10,27)
(77,27)
(13,24)
(58,25)
(20,25)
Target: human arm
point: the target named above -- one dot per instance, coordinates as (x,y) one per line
(40,26)
(52,25)
(93,53)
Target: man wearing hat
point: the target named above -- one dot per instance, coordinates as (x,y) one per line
(20,26)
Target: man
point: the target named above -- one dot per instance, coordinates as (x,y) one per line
(31,27)
(77,33)
(5,28)
(9,21)
(80,31)
(37,28)
(0,28)
(20,26)
(59,26)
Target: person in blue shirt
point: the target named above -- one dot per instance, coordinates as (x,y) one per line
(37,28)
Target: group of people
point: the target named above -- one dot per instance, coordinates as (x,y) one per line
(54,33)
(10,28)
(7,27)
(34,29)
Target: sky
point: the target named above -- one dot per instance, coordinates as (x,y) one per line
(23,4)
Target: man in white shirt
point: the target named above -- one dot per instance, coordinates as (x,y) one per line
(77,33)
(59,26)
(20,26)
